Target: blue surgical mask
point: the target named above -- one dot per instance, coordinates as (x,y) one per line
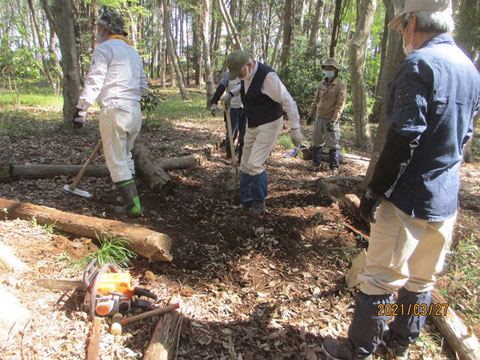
(329,74)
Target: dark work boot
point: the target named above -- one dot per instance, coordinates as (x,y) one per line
(317,155)
(334,158)
(341,349)
(257,208)
(129,194)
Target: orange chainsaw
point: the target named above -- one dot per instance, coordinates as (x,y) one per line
(108,291)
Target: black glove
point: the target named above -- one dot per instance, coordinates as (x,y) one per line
(78,118)
(368,205)
(310,120)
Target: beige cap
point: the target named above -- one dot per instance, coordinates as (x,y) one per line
(419,5)
(331,62)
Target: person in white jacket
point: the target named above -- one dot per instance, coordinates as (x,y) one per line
(117,81)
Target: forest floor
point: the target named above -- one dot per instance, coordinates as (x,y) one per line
(270,287)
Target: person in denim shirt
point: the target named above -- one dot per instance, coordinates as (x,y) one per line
(412,198)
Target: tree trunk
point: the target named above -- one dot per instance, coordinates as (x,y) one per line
(172,52)
(93,341)
(231,29)
(147,243)
(336,28)
(458,335)
(287,32)
(393,58)
(41,43)
(206,51)
(467,152)
(317,20)
(197,53)
(156,176)
(163,344)
(9,172)
(358,47)
(64,27)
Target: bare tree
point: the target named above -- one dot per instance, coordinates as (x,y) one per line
(358,48)
(287,32)
(61,19)
(171,51)
(336,28)
(393,57)
(231,29)
(317,20)
(206,50)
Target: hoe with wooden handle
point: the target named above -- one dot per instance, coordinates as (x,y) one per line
(73,187)
(234,172)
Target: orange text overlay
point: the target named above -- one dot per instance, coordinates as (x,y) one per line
(438,309)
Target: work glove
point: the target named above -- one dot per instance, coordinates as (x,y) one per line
(310,120)
(225,99)
(330,126)
(296,136)
(78,118)
(213,109)
(368,206)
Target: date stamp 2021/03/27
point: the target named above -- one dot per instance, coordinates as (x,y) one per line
(437,309)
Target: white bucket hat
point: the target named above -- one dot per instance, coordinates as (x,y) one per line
(419,5)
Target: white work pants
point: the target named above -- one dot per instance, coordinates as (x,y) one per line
(258,144)
(120,122)
(404,252)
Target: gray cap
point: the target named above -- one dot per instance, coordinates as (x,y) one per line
(111,20)
(235,62)
(331,62)
(419,5)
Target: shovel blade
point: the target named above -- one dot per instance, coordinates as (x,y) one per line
(232,179)
(78,192)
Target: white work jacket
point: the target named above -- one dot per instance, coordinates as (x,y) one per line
(116,73)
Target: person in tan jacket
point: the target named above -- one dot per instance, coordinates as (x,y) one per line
(326,110)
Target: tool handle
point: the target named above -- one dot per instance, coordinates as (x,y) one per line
(144,292)
(144,315)
(87,163)
(230,135)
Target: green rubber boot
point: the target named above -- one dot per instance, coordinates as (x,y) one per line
(129,194)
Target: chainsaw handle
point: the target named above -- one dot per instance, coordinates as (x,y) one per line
(143,292)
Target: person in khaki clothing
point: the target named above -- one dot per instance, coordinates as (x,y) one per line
(412,198)
(326,109)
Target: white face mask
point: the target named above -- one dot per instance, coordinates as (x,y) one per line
(329,74)
(101,37)
(407,49)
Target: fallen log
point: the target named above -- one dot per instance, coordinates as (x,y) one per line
(147,243)
(182,162)
(163,345)
(10,172)
(458,335)
(156,176)
(93,341)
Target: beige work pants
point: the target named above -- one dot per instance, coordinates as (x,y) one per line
(120,123)
(404,251)
(258,143)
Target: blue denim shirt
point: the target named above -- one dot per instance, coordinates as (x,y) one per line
(432,102)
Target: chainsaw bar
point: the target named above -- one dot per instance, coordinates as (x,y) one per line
(58,284)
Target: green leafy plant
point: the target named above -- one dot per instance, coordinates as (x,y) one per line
(50,227)
(112,251)
(150,101)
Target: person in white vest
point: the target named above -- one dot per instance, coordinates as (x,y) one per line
(237,113)
(117,81)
